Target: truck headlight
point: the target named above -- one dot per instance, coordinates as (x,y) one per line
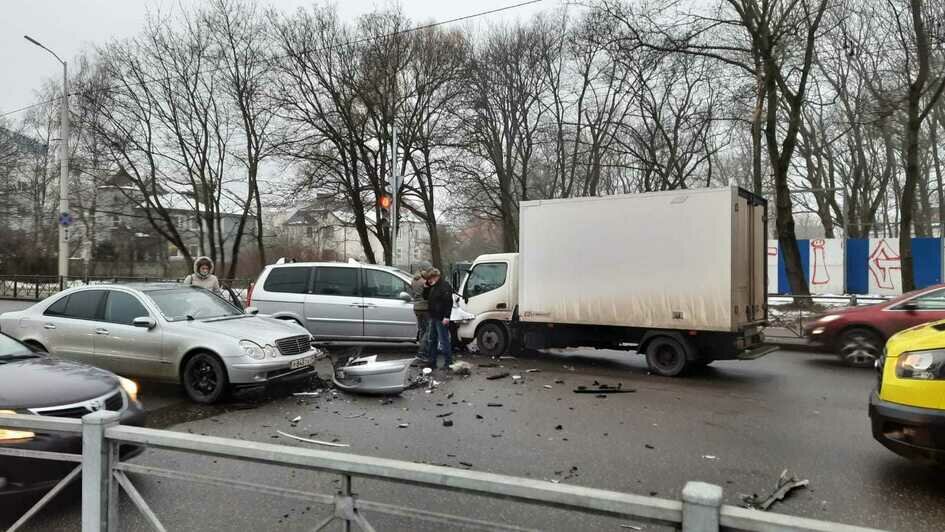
(924,365)
(130,387)
(252,350)
(10,434)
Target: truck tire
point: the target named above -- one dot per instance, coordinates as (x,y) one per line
(667,357)
(492,339)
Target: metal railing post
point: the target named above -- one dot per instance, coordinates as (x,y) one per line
(701,506)
(99,490)
(15,282)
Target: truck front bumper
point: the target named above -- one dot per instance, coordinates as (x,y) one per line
(909,431)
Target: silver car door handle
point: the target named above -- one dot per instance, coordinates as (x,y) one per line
(49,326)
(101,331)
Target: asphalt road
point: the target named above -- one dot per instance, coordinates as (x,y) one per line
(737,424)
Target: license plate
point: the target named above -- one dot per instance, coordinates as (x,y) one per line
(301,363)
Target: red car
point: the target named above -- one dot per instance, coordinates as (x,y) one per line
(858,334)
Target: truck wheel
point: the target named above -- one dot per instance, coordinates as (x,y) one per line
(492,339)
(667,357)
(860,348)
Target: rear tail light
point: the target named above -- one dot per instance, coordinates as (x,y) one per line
(249,295)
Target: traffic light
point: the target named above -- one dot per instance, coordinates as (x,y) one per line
(385,201)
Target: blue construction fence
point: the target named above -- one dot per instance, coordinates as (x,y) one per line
(857,266)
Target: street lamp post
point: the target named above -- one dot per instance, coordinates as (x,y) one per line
(63,219)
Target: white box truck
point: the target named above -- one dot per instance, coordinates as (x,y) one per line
(679,276)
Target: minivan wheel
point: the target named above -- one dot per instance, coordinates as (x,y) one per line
(204,378)
(667,357)
(860,348)
(492,339)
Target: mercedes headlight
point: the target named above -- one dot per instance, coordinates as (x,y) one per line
(10,434)
(130,387)
(270,351)
(923,365)
(252,350)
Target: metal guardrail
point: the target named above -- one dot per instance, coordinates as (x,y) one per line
(103,475)
(793,318)
(39,287)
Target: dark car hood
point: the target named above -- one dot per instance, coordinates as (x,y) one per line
(47,381)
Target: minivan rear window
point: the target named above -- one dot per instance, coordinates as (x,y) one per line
(288,280)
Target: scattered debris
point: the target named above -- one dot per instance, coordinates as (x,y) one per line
(710,457)
(507,357)
(559,381)
(466,464)
(567,367)
(648,446)
(784,486)
(601,396)
(604,388)
(516,378)
(427,371)
(488,365)
(447,422)
(296,419)
(497,376)
(450,396)
(494,405)
(317,442)
(308,394)
(354,416)
(447,414)
(403,425)
(461,368)
(559,427)
(547,386)
(631,527)
(533,371)
(479,417)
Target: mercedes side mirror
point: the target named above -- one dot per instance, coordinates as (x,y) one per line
(910,306)
(252,311)
(145,322)
(405,297)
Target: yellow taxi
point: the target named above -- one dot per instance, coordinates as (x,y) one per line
(907,409)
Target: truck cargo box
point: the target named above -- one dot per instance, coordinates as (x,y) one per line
(682,259)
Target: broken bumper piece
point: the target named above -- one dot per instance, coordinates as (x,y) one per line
(369,376)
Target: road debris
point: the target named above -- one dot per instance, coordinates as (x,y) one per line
(308,394)
(447,414)
(648,446)
(354,416)
(461,368)
(465,464)
(403,425)
(602,389)
(516,378)
(547,386)
(710,457)
(365,374)
(296,419)
(479,417)
(488,365)
(307,440)
(533,370)
(507,357)
(631,527)
(497,376)
(494,405)
(783,488)
(559,427)
(447,422)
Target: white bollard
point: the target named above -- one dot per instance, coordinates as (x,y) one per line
(701,504)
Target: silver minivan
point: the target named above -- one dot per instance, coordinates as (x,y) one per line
(339,301)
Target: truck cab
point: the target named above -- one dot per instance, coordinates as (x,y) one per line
(490,292)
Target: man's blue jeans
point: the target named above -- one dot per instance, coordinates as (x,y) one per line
(439,343)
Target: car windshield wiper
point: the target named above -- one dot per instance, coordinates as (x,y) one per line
(18,356)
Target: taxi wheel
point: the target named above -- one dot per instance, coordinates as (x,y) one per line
(860,348)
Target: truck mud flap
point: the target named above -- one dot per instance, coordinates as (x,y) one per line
(757,352)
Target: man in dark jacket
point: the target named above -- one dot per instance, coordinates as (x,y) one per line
(440,307)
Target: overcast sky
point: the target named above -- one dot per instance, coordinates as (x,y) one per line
(69,26)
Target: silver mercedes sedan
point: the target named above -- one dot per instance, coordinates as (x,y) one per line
(167,332)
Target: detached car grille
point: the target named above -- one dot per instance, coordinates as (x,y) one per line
(294,345)
(114,401)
